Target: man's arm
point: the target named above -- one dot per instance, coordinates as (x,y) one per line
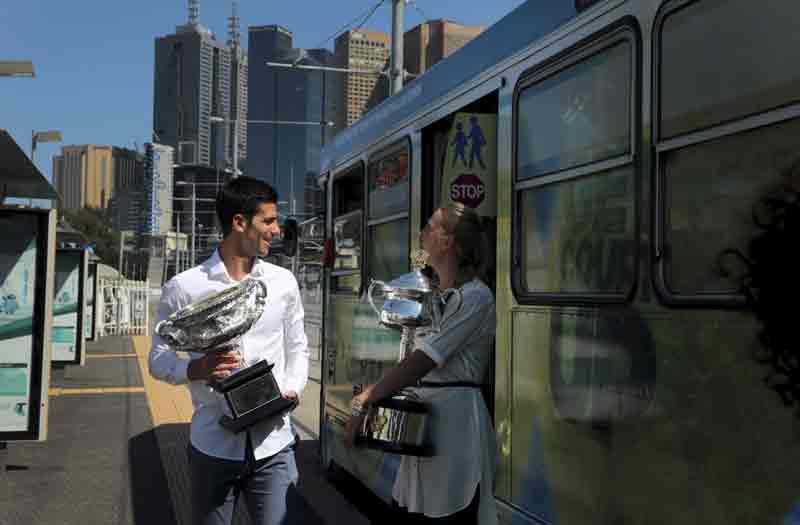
(166,365)
(163,363)
(295,345)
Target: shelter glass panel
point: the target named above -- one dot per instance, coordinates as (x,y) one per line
(18,254)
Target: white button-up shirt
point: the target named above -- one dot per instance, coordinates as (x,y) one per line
(277,336)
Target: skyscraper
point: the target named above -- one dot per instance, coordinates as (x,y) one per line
(366,50)
(237,133)
(265,43)
(89,175)
(432,41)
(195,79)
(296,102)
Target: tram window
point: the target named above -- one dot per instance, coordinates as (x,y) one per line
(347,241)
(577,116)
(390,256)
(578,236)
(726,59)
(388,185)
(711,189)
(348,192)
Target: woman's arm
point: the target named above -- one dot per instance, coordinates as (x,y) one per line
(407,373)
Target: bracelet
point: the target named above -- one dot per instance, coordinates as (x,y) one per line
(357,409)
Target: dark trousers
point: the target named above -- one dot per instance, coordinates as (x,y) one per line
(466,516)
(217,483)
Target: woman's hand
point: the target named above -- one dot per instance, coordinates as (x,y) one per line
(351,430)
(358,407)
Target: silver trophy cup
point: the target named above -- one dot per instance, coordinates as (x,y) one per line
(217,324)
(399,423)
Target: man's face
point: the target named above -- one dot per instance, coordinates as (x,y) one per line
(261,229)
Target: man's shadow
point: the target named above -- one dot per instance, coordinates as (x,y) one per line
(161,487)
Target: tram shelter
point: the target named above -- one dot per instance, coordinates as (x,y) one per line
(27,262)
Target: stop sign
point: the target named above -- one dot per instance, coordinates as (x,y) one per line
(468,189)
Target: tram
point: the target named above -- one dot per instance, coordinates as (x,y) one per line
(614,150)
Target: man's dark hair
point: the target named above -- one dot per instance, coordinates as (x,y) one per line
(242,195)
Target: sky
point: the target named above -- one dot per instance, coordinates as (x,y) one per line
(94,58)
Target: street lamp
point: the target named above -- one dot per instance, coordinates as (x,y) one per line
(43,136)
(194,200)
(16,68)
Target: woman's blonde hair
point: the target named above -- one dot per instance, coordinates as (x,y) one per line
(472,249)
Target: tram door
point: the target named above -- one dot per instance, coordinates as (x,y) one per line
(460,151)
(343,262)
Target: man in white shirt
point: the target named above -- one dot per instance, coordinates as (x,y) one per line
(259,461)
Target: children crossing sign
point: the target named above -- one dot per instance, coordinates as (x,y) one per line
(469,173)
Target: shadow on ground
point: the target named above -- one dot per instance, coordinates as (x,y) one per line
(160,483)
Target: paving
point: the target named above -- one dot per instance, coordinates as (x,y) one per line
(116,452)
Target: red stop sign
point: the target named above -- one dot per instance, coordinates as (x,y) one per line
(468,189)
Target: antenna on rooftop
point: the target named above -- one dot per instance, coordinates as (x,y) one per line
(194,12)
(233,26)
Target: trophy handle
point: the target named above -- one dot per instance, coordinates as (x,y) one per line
(174,336)
(369,294)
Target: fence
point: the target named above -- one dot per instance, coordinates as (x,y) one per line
(123,308)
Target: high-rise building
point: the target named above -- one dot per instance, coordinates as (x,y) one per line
(157,191)
(85,175)
(195,80)
(265,43)
(365,50)
(432,41)
(296,103)
(237,129)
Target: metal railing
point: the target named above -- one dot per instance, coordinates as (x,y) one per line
(124,307)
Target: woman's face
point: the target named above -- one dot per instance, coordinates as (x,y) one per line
(433,238)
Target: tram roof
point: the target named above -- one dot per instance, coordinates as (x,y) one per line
(511,34)
(20,179)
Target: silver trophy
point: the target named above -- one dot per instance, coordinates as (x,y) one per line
(217,324)
(398,424)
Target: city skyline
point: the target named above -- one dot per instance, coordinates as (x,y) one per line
(94,70)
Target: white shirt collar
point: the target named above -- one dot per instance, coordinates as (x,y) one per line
(216,267)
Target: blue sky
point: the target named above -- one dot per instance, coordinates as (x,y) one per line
(94,58)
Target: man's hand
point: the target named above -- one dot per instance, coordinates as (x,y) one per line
(214,366)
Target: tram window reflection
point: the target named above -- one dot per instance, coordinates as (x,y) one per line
(578,235)
(709,190)
(577,116)
(718,62)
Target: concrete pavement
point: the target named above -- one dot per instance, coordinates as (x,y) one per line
(116,451)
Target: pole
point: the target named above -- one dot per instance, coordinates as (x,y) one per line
(398,9)
(177,247)
(236,144)
(121,250)
(33,147)
(194,218)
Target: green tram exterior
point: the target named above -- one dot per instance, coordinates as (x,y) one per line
(633,139)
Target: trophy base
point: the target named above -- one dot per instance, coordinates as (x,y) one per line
(252,395)
(273,409)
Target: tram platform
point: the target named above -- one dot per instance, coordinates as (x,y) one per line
(116,451)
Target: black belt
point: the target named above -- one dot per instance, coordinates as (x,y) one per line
(445,384)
